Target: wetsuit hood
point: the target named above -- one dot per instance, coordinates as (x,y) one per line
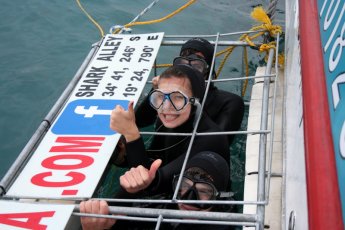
(196,80)
(214,165)
(203,46)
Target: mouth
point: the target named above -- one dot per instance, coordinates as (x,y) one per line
(169,117)
(188,207)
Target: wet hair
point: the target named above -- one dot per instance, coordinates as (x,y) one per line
(198,174)
(187,52)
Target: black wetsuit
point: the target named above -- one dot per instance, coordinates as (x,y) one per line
(172,158)
(172,150)
(224,108)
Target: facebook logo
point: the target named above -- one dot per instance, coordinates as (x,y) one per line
(87,117)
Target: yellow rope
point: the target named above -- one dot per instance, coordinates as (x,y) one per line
(272,29)
(267,47)
(222,63)
(91,19)
(223,51)
(260,15)
(281,59)
(248,40)
(162,65)
(157,20)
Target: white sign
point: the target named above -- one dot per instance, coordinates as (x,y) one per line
(75,151)
(16,215)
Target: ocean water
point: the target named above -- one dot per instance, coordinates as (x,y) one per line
(43,43)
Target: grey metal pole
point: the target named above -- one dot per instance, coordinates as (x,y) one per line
(159,221)
(260,211)
(70,87)
(220,43)
(274,101)
(170,213)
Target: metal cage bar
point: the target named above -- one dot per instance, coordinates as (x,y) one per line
(262,146)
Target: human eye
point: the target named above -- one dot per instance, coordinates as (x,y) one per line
(205,194)
(198,66)
(184,187)
(156,99)
(181,60)
(177,97)
(184,61)
(204,190)
(158,95)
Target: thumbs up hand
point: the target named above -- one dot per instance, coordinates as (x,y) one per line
(139,178)
(123,122)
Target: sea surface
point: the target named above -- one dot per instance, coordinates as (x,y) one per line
(43,43)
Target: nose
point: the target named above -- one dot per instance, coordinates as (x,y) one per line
(190,194)
(167,104)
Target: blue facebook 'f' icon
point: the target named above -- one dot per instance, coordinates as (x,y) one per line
(87,117)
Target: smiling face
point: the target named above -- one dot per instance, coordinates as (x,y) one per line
(167,113)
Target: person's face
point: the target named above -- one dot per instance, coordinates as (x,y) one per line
(193,188)
(202,56)
(167,113)
(202,189)
(187,207)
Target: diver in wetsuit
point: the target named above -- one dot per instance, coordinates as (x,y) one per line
(226,109)
(177,104)
(206,178)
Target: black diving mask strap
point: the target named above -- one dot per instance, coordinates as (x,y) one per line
(197,105)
